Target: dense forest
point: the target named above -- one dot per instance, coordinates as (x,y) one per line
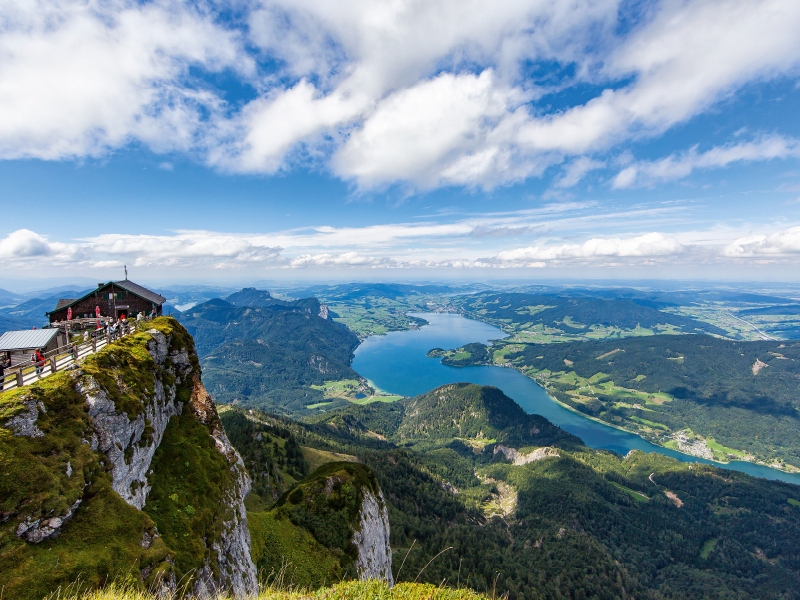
(267,356)
(574,315)
(577,523)
(743,394)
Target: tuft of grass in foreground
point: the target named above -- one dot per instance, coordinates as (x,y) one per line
(350,590)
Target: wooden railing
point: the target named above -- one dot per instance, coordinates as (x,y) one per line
(61,358)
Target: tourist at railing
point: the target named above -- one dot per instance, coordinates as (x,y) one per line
(111,330)
(37,358)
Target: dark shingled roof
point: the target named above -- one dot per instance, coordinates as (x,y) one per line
(140,291)
(64,302)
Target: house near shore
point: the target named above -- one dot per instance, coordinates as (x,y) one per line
(113,299)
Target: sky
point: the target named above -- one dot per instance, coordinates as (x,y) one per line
(397,139)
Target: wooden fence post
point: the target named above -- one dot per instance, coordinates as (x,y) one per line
(52,364)
(94,343)
(19,378)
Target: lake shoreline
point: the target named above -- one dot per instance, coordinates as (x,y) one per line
(396,363)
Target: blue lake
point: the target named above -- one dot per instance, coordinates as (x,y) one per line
(396,363)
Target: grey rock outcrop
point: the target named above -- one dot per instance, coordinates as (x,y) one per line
(38,530)
(371,538)
(130,444)
(124,441)
(324,313)
(520,459)
(24,423)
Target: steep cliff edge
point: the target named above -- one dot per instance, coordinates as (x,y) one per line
(337,526)
(120,469)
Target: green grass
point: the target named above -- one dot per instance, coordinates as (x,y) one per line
(318,405)
(707,548)
(277,542)
(650,423)
(316,458)
(371,399)
(282,589)
(794,502)
(711,443)
(636,495)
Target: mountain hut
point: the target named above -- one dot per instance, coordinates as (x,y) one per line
(114,299)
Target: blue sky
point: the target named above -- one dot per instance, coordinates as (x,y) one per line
(439,138)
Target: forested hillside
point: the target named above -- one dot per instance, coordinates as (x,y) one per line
(268,356)
(740,397)
(573,317)
(514,517)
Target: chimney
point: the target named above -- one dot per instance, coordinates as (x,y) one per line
(101,284)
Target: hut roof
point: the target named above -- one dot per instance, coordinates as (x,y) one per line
(29,338)
(64,302)
(135,288)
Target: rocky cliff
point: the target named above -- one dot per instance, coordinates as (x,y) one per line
(343,507)
(122,462)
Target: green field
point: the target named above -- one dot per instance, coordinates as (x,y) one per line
(707,548)
(636,495)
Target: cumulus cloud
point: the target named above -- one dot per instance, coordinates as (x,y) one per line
(430,94)
(786,242)
(79,78)
(678,166)
(648,245)
(24,243)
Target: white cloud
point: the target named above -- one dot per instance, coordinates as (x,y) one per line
(24,243)
(78,78)
(430,94)
(780,243)
(577,170)
(192,248)
(678,166)
(452,129)
(648,245)
(384,102)
(347,259)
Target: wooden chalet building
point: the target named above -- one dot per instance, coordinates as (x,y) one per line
(114,299)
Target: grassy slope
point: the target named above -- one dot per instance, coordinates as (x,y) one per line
(543,318)
(103,538)
(351,590)
(102,542)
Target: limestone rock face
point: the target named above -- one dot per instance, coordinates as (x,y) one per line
(520,459)
(25,422)
(123,440)
(371,537)
(237,572)
(112,413)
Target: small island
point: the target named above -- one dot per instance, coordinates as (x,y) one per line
(471,354)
